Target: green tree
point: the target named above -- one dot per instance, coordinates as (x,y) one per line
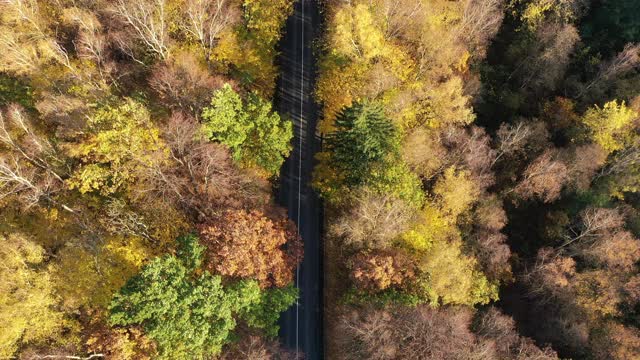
(189,316)
(363,137)
(256,135)
(266,312)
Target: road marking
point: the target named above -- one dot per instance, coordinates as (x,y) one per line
(300,166)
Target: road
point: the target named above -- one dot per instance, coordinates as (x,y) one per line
(302,325)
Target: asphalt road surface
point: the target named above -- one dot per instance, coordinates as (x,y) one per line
(301,326)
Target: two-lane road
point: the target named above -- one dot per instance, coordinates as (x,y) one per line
(302,325)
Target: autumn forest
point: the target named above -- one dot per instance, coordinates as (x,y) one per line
(479,174)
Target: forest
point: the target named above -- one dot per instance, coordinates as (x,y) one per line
(480,171)
(480,175)
(138,147)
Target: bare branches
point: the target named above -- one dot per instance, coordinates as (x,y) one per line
(373,222)
(627,60)
(26,168)
(481,20)
(594,223)
(543,178)
(147,22)
(204,20)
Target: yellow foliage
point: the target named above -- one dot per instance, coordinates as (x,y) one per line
(454,277)
(353,33)
(597,294)
(27,303)
(85,277)
(124,142)
(611,126)
(338,87)
(433,227)
(455,192)
(265,19)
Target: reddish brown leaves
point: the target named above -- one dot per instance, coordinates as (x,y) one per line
(381,270)
(251,245)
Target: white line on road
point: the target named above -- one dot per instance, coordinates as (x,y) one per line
(300,165)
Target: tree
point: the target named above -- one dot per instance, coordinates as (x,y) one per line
(363,136)
(122,142)
(374,220)
(256,347)
(500,330)
(189,316)
(30,165)
(610,126)
(379,270)
(116,343)
(265,19)
(481,21)
(202,177)
(204,20)
(256,136)
(183,83)
(453,277)
(267,310)
(250,245)
(408,333)
(147,22)
(455,192)
(544,178)
(87,276)
(28,306)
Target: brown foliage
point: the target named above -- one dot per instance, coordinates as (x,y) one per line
(552,275)
(201,177)
(619,250)
(253,347)
(251,245)
(500,330)
(380,270)
(116,343)
(492,251)
(183,83)
(544,178)
(584,163)
(407,333)
(373,221)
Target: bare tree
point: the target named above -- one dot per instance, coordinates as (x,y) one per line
(201,175)
(183,83)
(204,20)
(501,331)
(27,167)
(147,22)
(481,21)
(548,65)
(471,149)
(511,138)
(373,222)
(410,333)
(544,178)
(593,224)
(625,61)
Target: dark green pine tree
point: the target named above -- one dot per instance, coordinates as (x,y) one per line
(363,137)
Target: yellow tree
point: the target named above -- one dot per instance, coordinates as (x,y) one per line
(123,142)
(27,302)
(611,126)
